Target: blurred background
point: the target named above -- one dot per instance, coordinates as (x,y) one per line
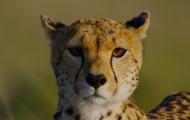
(27,84)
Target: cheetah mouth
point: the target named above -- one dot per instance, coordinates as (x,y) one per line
(94,96)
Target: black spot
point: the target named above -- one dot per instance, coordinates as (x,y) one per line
(131,105)
(57,64)
(123,110)
(135,60)
(57,74)
(188,117)
(101,118)
(98,42)
(142,112)
(181,112)
(109,113)
(111,31)
(57,115)
(133,85)
(152,116)
(114,39)
(188,93)
(77,117)
(119,117)
(69,111)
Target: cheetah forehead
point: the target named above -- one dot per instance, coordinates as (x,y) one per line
(98,22)
(98,26)
(98,32)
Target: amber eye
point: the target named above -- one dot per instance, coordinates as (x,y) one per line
(118,52)
(75,51)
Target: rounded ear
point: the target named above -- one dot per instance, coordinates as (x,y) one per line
(51,27)
(139,24)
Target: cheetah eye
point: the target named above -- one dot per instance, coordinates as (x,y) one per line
(75,51)
(118,52)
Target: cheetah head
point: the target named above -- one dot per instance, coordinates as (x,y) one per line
(96,61)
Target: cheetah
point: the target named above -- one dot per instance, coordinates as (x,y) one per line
(96,63)
(174,107)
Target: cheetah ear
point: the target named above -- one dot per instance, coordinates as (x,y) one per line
(52,27)
(139,24)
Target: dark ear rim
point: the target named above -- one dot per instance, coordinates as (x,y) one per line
(138,21)
(51,25)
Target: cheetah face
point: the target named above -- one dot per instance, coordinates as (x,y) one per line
(97,61)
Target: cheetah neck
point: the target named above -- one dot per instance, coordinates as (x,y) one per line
(123,111)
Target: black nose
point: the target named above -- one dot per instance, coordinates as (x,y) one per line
(96,80)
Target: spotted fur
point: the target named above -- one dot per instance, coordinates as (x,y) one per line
(173,107)
(80,98)
(95,85)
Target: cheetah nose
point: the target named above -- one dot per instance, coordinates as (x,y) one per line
(96,80)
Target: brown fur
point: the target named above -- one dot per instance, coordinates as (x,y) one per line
(173,107)
(97,38)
